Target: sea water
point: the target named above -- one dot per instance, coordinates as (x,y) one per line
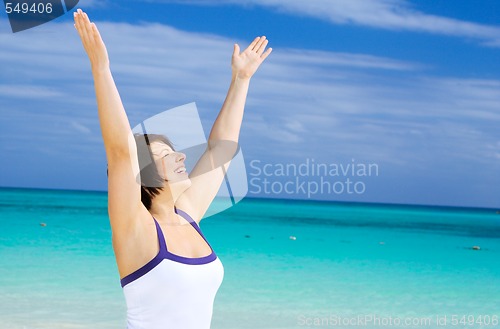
(288,264)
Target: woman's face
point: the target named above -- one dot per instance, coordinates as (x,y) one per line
(170,164)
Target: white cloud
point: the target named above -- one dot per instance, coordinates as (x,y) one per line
(301,103)
(80,127)
(398,15)
(27,91)
(297,90)
(92,4)
(324,59)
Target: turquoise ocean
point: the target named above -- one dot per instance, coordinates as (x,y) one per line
(288,264)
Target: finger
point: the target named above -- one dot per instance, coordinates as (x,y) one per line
(254,42)
(97,34)
(75,17)
(88,27)
(236,50)
(79,21)
(90,30)
(87,33)
(79,27)
(84,21)
(264,55)
(259,43)
(262,47)
(84,15)
(84,32)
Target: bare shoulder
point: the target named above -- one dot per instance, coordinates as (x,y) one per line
(134,246)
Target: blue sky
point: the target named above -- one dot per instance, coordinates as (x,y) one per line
(411,86)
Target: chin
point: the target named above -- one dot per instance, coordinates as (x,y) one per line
(181,184)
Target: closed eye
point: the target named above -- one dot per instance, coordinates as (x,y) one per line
(167,153)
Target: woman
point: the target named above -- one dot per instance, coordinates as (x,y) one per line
(168,271)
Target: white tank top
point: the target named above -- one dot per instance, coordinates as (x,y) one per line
(171,291)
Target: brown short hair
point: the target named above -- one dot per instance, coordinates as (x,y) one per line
(151,181)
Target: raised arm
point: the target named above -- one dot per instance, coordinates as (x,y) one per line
(208,175)
(228,123)
(124,195)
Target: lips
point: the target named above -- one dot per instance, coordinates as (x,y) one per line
(180,170)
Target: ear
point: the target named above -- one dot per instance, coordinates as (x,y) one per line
(164,170)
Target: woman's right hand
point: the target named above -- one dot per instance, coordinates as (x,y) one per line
(92,41)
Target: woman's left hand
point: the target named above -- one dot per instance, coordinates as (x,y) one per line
(245,64)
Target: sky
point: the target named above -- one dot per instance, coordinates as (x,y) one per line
(409,89)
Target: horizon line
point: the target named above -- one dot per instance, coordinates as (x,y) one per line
(497,210)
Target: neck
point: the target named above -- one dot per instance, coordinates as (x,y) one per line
(162,208)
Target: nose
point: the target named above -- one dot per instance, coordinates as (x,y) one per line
(180,156)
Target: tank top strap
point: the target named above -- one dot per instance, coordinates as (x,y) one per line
(161,237)
(184,215)
(191,221)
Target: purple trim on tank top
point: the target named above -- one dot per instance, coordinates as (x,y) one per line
(163,253)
